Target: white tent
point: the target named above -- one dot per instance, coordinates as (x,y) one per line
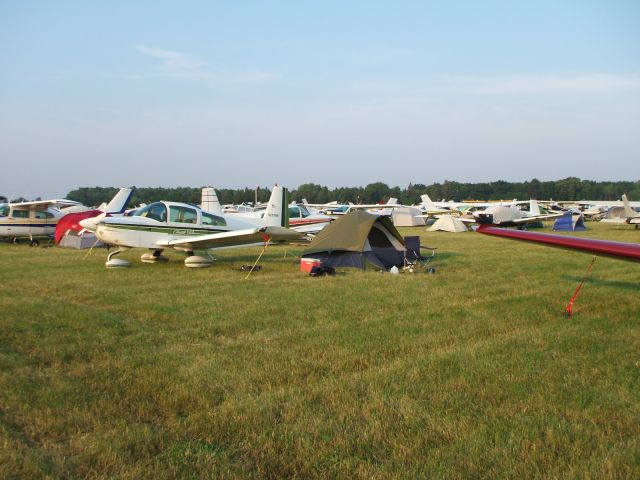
(86,240)
(407,217)
(448,223)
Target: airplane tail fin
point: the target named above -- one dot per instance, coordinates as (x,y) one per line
(427,203)
(209,201)
(534,208)
(392,201)
(119,202)
(277,213)
(628,211)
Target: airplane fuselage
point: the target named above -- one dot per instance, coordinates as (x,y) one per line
(139,232)
(16,221)
(153,226)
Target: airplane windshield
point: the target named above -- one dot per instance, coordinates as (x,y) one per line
(155,211)
(298,211)
(4,210)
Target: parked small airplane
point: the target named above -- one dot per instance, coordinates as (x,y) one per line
(633,216)
(187,228)
(300,219)
(430,209)
(377,209)
(32,219)
(594,212)
(510,216)
(336,209)
(71,221)
(624,214)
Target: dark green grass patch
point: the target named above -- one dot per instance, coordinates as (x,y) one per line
(161,371)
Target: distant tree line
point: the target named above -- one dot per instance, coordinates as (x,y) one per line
(571,188)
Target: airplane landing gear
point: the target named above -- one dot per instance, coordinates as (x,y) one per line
(117,262)
(154,257)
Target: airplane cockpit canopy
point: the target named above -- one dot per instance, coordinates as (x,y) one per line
(155,211)
(298,211)
(4,209)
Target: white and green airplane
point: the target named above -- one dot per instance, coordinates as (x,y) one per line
(187,228)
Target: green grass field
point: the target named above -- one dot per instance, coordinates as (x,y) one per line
(159,371)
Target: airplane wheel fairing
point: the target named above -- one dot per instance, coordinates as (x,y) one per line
(196,261)
(151,258)
(117,263)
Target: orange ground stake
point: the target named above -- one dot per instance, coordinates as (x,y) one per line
(569,310)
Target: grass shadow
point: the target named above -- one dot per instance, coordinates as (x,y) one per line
(633,287)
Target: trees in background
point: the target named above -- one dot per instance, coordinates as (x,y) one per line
(570,188)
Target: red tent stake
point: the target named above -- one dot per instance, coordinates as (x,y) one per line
(569,310)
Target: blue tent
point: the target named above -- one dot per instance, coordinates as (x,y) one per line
(570,223)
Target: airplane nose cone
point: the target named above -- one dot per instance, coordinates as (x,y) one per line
(92,223)
(88,223)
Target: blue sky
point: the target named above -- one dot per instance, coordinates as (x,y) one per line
(245,93)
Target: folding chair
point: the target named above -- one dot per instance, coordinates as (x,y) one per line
(413,258)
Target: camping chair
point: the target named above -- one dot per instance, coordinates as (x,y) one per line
(413,259)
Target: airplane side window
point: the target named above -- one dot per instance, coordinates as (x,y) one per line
(190,215)
(175,214)
(210,219)
(182,214)
(40,215)
(4,210)
(20,214)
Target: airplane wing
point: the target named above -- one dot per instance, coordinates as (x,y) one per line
(61,202)
(465,220)
(436,213)
(235,238)
(321,205)
(393,203)
(537,218)
(621,250)
(383,206)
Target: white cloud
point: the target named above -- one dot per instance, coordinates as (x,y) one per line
(542,84)
(176,64)
(171,60)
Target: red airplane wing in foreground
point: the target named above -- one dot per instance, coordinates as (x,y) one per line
(620,250)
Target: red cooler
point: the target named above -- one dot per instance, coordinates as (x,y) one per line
(306,264)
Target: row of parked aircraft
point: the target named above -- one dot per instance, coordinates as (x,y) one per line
(46,218)
(188,228)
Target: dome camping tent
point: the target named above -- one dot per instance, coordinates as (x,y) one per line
(358,239)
